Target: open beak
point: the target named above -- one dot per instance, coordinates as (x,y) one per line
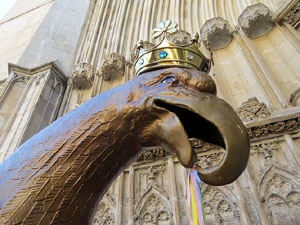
(211,119)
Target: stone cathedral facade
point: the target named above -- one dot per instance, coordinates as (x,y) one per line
(56,54)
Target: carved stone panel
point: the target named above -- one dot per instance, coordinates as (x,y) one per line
(216,33)
(153,211)
(210,160)
(253,110)
(152,154)
(219,209)
(256,20)
(104,215)
(266,152)
(151,172)
(275,128)
(281,197)
(266,155)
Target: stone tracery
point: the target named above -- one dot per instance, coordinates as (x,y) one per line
(282,200)
(152,208)
(106,212)
(219,209)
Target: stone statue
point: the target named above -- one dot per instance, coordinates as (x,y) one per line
(59,175)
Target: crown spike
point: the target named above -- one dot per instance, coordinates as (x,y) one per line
(139,44)
(195,37)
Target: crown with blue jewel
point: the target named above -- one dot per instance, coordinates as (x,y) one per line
(167,54)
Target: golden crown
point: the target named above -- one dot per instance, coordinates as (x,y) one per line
(167,54)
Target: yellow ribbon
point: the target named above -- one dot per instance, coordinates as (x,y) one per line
(194,208)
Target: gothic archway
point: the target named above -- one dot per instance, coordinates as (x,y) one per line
(281,196)
(153,209)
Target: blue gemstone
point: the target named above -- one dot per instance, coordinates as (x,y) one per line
(163,54)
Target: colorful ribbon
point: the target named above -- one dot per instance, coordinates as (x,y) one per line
(194,197)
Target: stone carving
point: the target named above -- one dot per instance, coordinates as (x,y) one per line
(279,127)
(158,153)
(216,33)
(154,211)
(219,209)
(256,20)
(153,154)
(152,172)
(210,160)
(196,143)
(282,201)
(253,110)
(265,150)
(83,75)
(104,215)
(113,64)
(293,16)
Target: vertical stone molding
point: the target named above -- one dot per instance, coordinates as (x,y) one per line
(216,33)
(33,97)
(83,75)
(256,20)
(113,65)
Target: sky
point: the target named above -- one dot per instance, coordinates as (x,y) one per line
(5,5)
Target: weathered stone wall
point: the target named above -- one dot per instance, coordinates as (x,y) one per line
(17,28)
(57,36)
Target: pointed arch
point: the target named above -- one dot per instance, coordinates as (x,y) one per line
(154,207)
(106,212)
(220,205)
(280,191)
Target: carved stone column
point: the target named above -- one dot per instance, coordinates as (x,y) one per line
(216,33)
(83,75)
(256,20)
